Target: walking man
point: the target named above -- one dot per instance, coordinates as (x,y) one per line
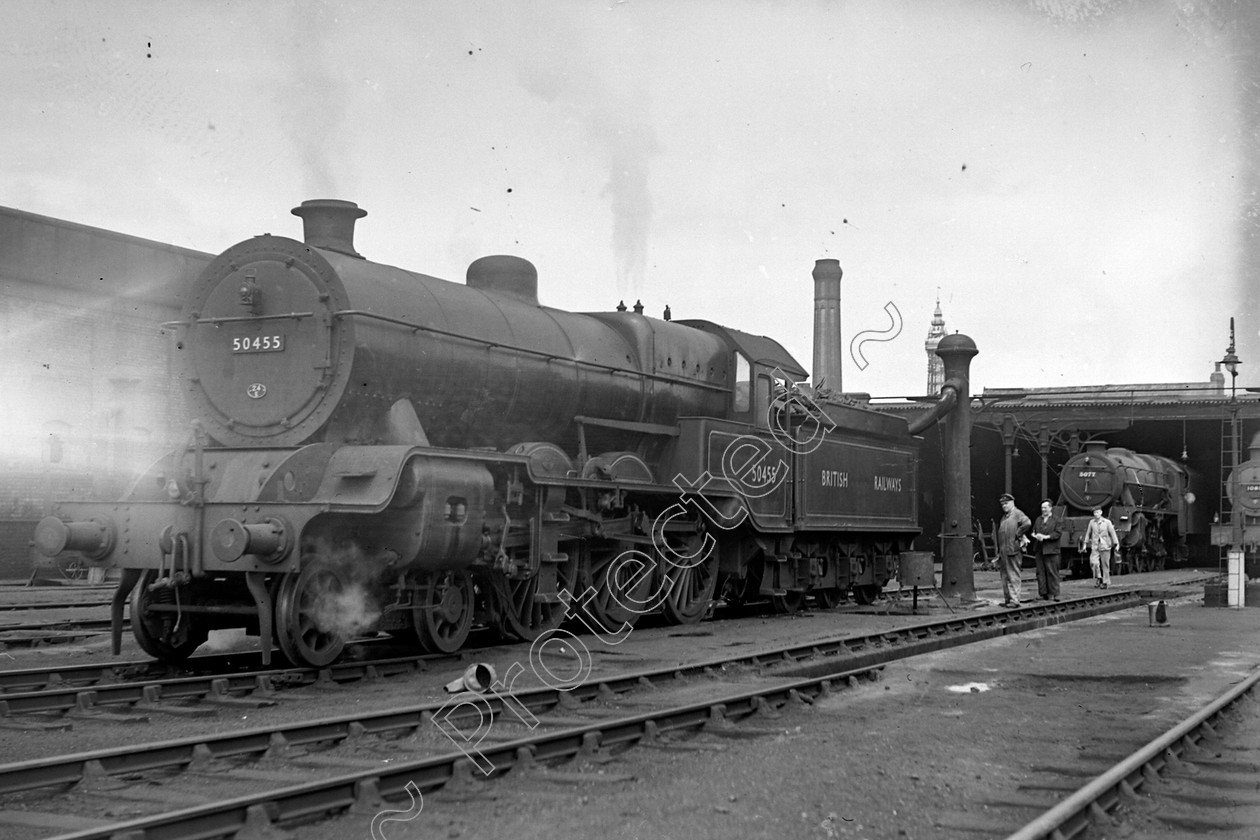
(1046,532)
(1100,538)
(1012,531)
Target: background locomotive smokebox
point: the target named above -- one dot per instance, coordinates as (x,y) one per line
(916,568)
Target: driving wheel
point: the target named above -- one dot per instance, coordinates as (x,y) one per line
(691,590)
(618,584)
(520,614)
(315,613)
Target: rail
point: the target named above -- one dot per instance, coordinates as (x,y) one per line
(1073,815)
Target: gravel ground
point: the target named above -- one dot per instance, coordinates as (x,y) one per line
(928,751)
(950,745)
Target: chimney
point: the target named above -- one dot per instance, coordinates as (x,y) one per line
(827,345)
(328,223)
(1095,447)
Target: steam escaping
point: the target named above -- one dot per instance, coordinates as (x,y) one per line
(349,612)
(349,603)
(630,149)
(315,101)
(616,112)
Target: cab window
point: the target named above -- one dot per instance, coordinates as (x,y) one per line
(764,394)
(743,383)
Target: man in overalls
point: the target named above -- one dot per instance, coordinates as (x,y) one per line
(1011,540)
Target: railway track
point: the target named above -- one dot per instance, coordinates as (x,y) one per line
(220,684)
(90,625)
(1200,776)
(590,719)
(52,605)
(86,674)
(41,633)
(30,622)
(136,684)
(553,737)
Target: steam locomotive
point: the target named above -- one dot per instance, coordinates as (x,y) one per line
(1241,521)
(1149,498)
(1242,487)
(378,450)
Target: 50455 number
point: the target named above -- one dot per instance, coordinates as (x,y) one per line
(258,344)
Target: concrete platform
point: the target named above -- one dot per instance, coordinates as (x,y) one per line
(988,589)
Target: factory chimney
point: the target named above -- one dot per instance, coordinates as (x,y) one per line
(827,344)
(328,223)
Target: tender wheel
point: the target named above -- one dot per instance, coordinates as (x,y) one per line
(519,613)
(866,593)
(692,588)
(827,599)
(311,620)
(788,602)
(167,636)
(607,607)
(445,614)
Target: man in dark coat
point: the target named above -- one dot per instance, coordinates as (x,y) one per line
(1045,533)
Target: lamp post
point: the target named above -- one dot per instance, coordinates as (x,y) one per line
(1235,575)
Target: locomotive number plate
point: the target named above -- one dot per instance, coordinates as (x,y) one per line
(258,344)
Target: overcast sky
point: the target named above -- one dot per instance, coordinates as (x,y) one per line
(1073,178)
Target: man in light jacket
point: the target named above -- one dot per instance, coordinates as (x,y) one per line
(1101,539)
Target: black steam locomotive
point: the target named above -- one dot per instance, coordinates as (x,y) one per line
(1149,498)
(380,450)
(1242,487)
